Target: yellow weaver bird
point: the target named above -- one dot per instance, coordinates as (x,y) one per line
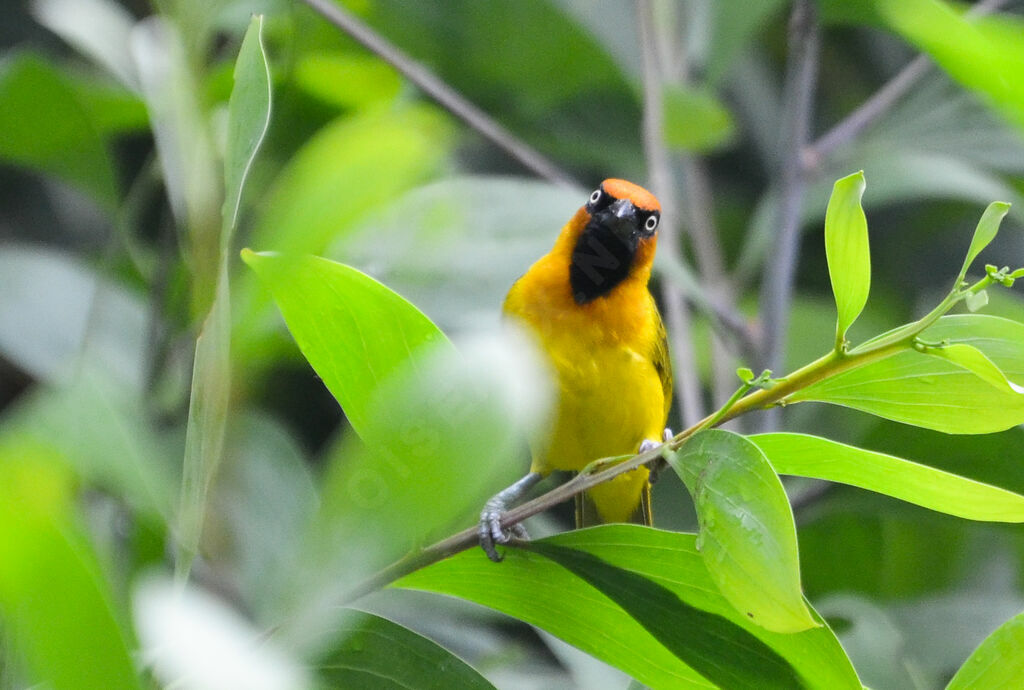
(587,304)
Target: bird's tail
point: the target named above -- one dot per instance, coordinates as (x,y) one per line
(588,514)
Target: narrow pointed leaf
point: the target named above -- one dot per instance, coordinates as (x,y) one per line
(747,533)
(847,251)
(353,330)
(986,231)
(643,601)
(997,662)
(378,653)
(248,120)
(803,455)
(931,392)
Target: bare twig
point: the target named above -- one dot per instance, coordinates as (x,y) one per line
(444,94)
(880,102)
(777,286)
(677,315)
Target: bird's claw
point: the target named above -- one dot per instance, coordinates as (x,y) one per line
(492,532)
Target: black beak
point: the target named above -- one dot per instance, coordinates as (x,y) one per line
(623,209)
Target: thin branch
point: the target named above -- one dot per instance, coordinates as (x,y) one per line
(880,102)
(444,94)
(777,286)
(677,314)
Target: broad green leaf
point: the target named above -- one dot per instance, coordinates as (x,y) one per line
(997,663)
(986,231)
(643,601)
(377,653)
(747,535)
(55,605)
(931,392)
(43,126)
(846,248)
(695,120)
(974,360)
(811,456)
(353,330)
(248,121)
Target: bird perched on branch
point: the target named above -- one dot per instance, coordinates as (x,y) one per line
(588,305)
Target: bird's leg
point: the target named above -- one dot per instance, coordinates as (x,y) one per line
(649,444)
(491,531)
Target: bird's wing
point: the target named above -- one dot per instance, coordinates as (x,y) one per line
(661,359)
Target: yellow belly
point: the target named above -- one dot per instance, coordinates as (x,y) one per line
(610,399)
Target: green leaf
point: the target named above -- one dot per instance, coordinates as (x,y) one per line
(846,248)
(99,29)
(43,126)
(747,535)
(819,458)
(641,600)
(353,330)
(55,604)
(931,392)
(997,663)
(986,231)
(248,121)
(974,360)
(377,653)
(347,80)
(695,120)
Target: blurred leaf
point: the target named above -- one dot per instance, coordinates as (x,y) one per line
(638,570)
(104,436)
(353,330)
(347,80)
(54,601)
(820,458)
(452,247)
(442,434)
(930,392)
(550,80)
(986,56)
(349,168)
(266,496)
(207,423)
(55,311)
(695,120)
(986,231)
(99,29)
(191,639)
(377,653)
(43,126)
(997,663)
(974,360)
(248,121)
(747,535)
(734,25)
(846,248)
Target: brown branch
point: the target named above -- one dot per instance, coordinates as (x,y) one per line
(444,94)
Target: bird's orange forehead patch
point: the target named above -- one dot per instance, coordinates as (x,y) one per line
(637,195)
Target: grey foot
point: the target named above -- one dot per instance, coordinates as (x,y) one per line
(490,531)
(658,466)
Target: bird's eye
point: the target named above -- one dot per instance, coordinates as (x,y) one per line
(651,224)
(595,197)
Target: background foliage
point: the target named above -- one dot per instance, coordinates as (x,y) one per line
(130,450)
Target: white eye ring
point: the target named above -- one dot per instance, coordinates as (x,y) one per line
(596,196)
(651,224)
